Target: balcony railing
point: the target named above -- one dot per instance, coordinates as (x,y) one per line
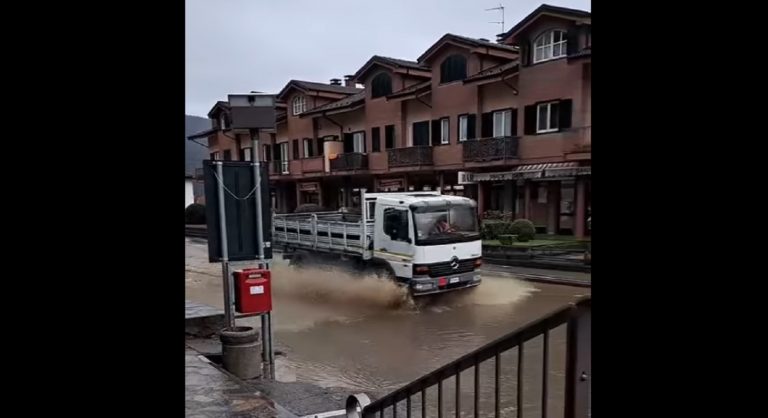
(350,161)
(281,167)
(491,149)
(410,156)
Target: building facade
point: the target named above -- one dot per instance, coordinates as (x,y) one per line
(507,123)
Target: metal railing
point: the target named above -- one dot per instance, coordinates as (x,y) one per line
(575,399)
(490,149)
(417,155)
(349,161)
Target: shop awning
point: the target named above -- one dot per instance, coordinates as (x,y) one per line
(535,171)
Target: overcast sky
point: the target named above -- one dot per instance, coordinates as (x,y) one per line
(236,46)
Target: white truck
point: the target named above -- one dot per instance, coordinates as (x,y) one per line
(425,240)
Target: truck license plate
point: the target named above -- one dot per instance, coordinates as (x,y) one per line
(454,280)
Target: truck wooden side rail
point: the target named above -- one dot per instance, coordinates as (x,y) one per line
(330,232)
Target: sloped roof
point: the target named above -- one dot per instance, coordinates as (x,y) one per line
(346,102)
(470,42)
(493,71)
(311,85)
(544,8)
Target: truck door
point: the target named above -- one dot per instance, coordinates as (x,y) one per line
(395,244)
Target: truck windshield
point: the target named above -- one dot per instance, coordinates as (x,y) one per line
(444,225)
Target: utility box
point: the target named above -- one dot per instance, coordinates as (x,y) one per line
(253,291)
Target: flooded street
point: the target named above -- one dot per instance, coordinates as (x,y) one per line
(340,330)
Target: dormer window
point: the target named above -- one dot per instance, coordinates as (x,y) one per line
(453,68)
(299,105)
(223,121)
(381,85)
(550,45)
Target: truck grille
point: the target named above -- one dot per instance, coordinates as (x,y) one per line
(445,269)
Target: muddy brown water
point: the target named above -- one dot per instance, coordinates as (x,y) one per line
(342,329)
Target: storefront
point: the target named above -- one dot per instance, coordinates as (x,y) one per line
(554,196)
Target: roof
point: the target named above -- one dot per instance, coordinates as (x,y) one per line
(544,8)
(311,85)
(219,105)
(471,42)
(416,88)
(346,102)
(390,62)
(493,71)
(194,153)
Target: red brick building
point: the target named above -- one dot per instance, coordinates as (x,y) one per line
(507,123)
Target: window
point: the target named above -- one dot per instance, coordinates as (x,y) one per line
(381,85)
(463,127)
(299,105)
(396,224)
(245,154)
(550,45)
(389,136)
(227,155)
(453,68)
(308,152)
(215,156)
(376,139)
(223,121)
(358,142)
(444,133)
(502,123)
(547,117)
(320,146)
(266,153)
(284,157)
(296,155)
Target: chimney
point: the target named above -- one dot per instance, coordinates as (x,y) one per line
(335,82)
(348,81)
(498,38)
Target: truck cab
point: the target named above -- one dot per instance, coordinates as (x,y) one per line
(431,242)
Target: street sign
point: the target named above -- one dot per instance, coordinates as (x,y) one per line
(240,210)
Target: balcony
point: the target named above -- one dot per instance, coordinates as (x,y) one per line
(410,156)
(312,165)
(491,149)
(349,161)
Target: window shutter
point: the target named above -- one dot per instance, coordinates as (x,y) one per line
(566,108)
(573,40)
(267,152)
(436,132)
(471,122)
(530,120)
(389,134)
(320,143)
(376,139)
(513,123)
(296,154)
(348,143)
(276,152)
(486,125)
(525,52)
(310,147)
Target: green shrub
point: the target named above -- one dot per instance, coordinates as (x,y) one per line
(492,229)
(524,229)
(194,214)
(497,215)
(507,239)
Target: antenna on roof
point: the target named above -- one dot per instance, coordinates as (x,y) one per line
(501,8)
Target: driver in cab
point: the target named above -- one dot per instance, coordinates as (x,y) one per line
(441,226)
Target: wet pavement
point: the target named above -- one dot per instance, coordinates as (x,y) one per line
(209,392)
(346,334)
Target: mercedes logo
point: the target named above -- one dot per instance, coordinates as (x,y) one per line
(455,263)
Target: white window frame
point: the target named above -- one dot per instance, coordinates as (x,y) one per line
(306,143)
(506,123)
(299,105)
(463,128)
(549,119)
(544,46)
(358,142)
(247,154)
(217,156)
(445,132)
(222,122)
(284,158)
